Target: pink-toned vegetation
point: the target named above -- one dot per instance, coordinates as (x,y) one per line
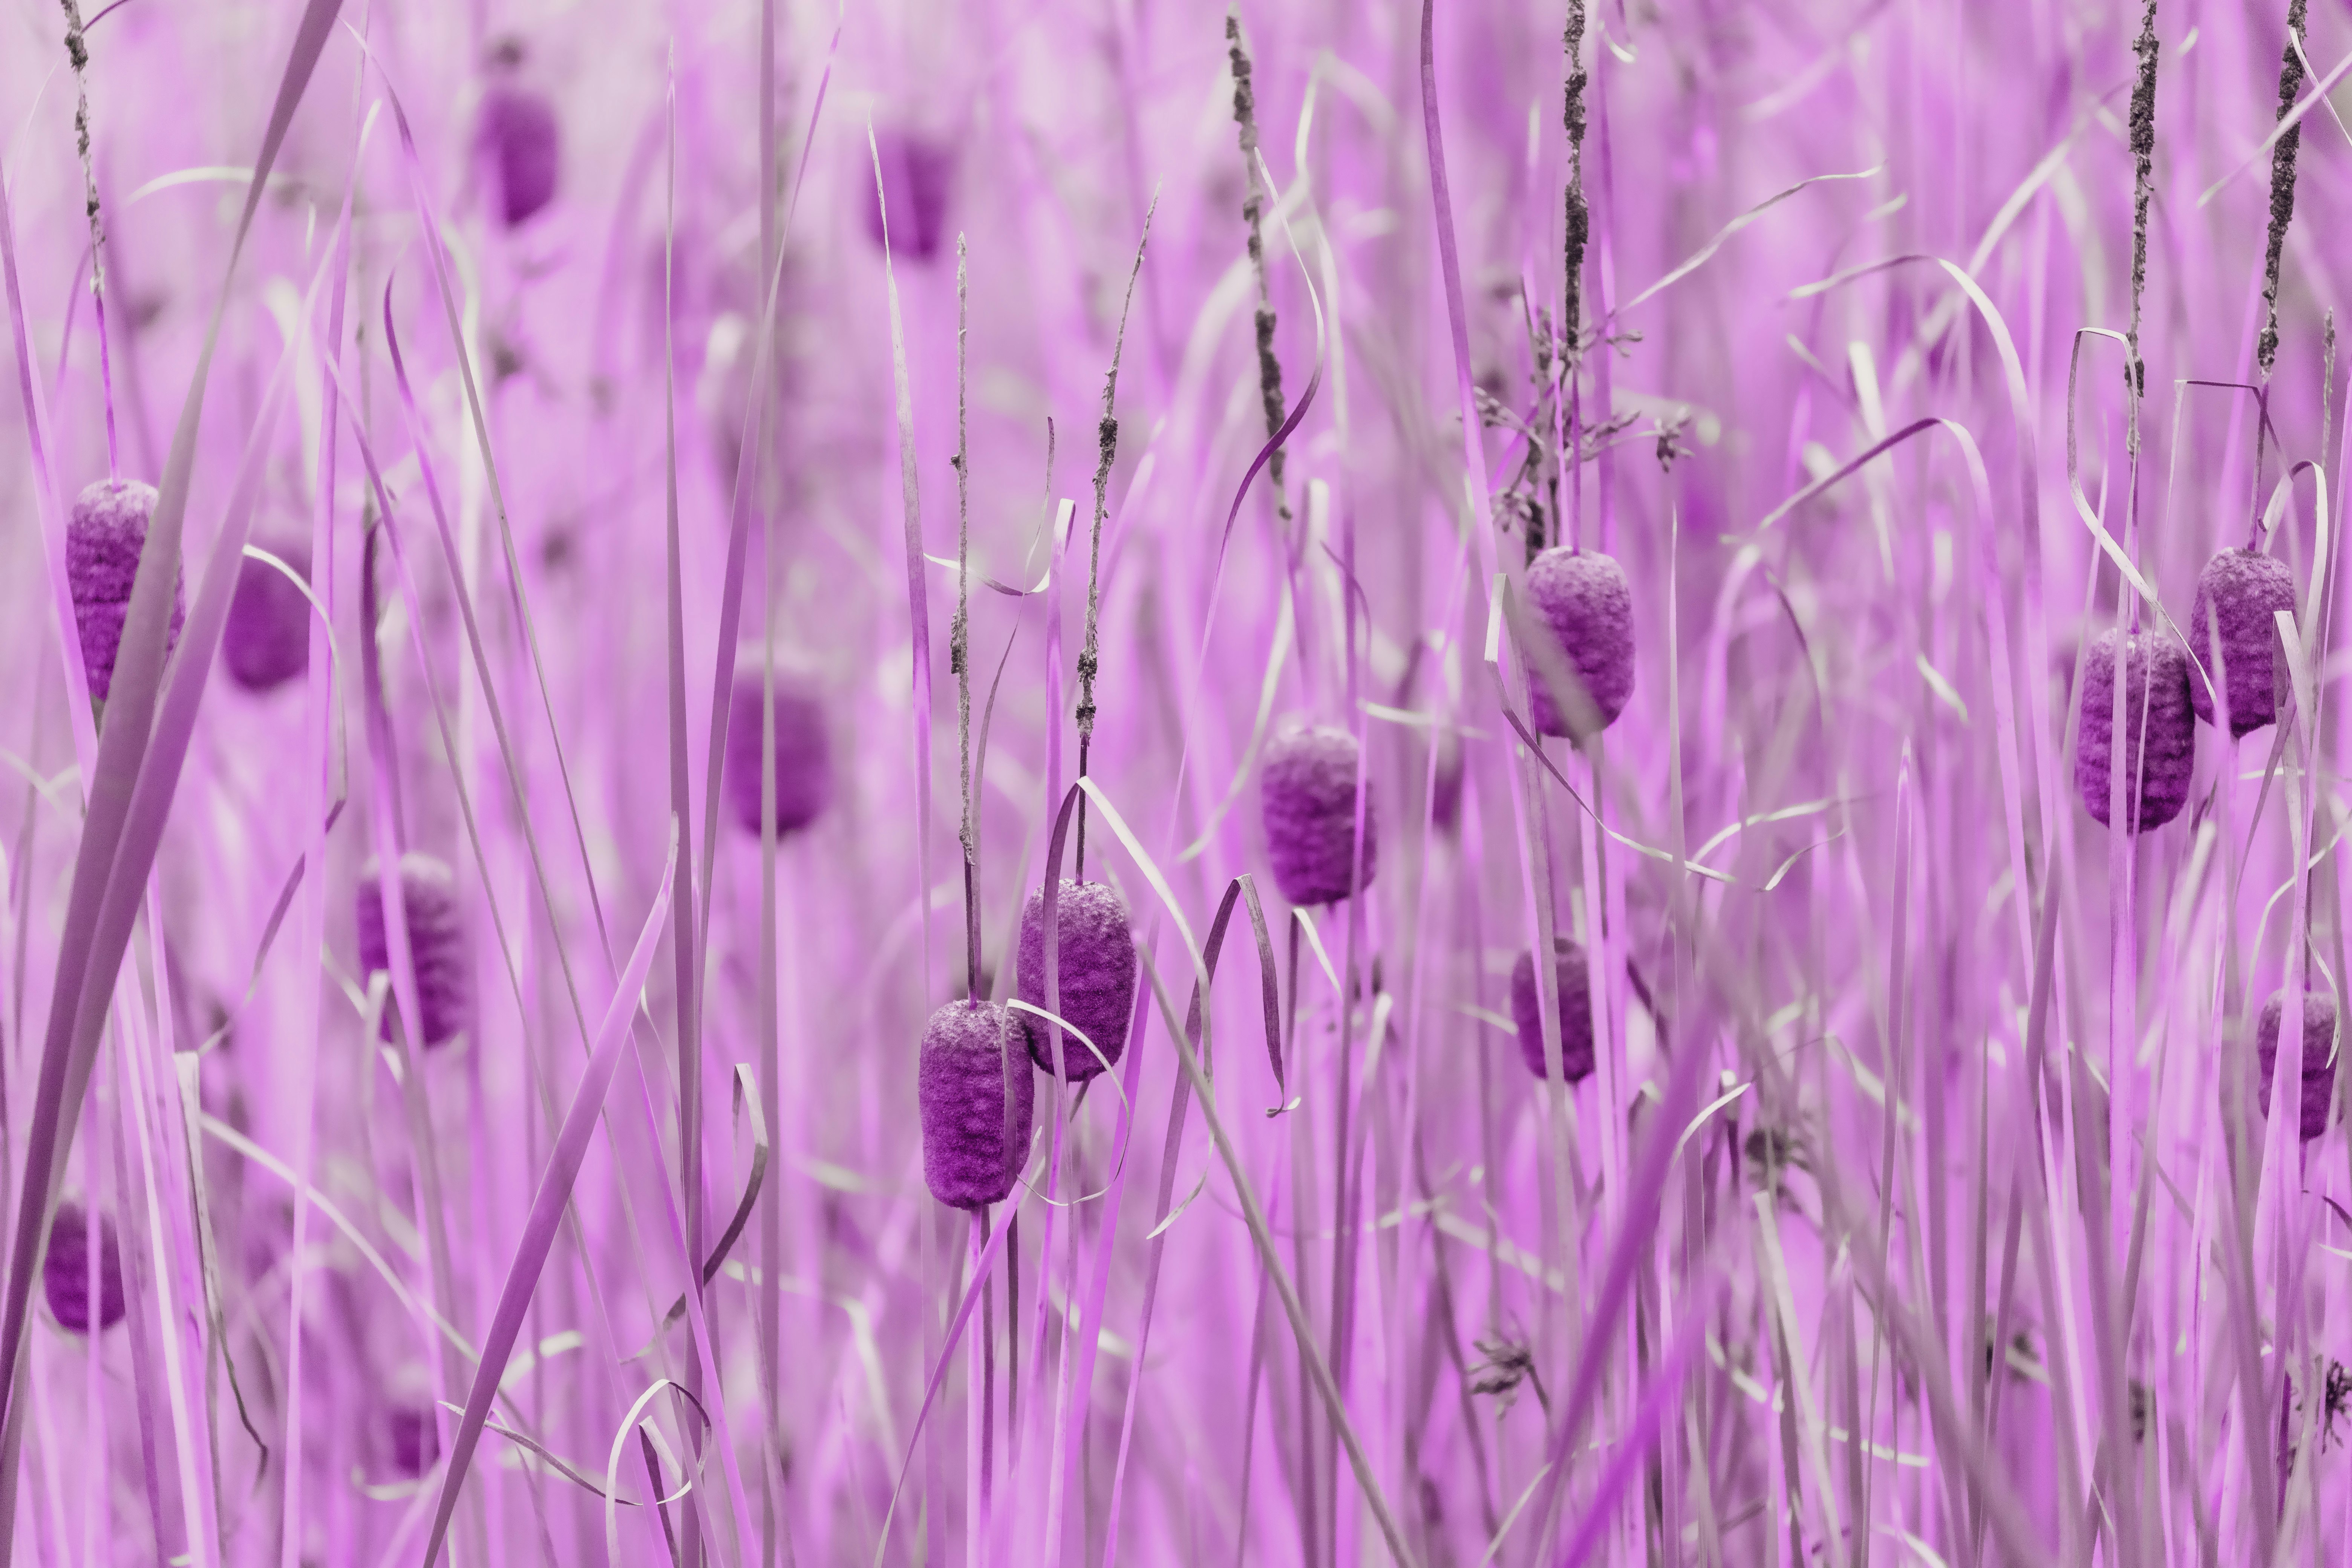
(837,552)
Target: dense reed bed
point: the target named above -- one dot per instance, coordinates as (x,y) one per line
(984,641)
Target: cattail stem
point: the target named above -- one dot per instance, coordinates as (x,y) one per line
(1579,218)
(1107,453)
(960,634)
(980,1394)
(1302,1208)
(2327,385)
(2282,158)
(78,51)
(2143,147)
(1269,367)
(1012,1339)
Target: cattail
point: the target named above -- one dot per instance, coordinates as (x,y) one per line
(802,747)
(65,1273)
(2318,1056)
(414,1439)
(1309,800)
(2241,590)
(917,174)
(519,142)
(437,943)
(1583,598)
(2156,700)
(103,538)
(973,1142)
(1575,988)
(1096,954)
(265,640)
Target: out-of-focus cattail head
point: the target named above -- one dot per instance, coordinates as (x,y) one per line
(976,1096)
(2156,700)
(265,641)
(1097,963)
(2239,591)
(66,1273)
(804,747)
(1446,787)
(918,177)
(437,943)
(413,1439)
(103,538)
(1575,986)
(1309,795)
(520,147)
(2318,1056)
(1583,598)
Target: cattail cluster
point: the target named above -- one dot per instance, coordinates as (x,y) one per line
(265,640)
(1097,964)
(2238,592)
(976,1096)
(65,1270)
(2159,734)
(103,538)
(1574,985)
(1586,604)
(803,749)
(1308,797)
(2318,1058)
(437,944)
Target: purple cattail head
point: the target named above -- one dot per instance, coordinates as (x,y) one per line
(976,1096)
(65,1272)
(1583,598)
(1096,954)
(437,943)
(413,1439)
(265,640)
(917,172)
(1309,799)
(103,538)
(803,750)
(2318,1056)
(1575,985)
(2239,590)
(519,142)
(2156,699)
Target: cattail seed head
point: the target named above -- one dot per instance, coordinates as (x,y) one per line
(2318,1056)
(1097,962)
(975,1140)
(917,175)
(519,142)
(65,1272)
(1575,987)
(803,748)
(2156,699)
(103,538)
(1308,795)
(265,641)
(1584,599)
(2239,590)
(437,944)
